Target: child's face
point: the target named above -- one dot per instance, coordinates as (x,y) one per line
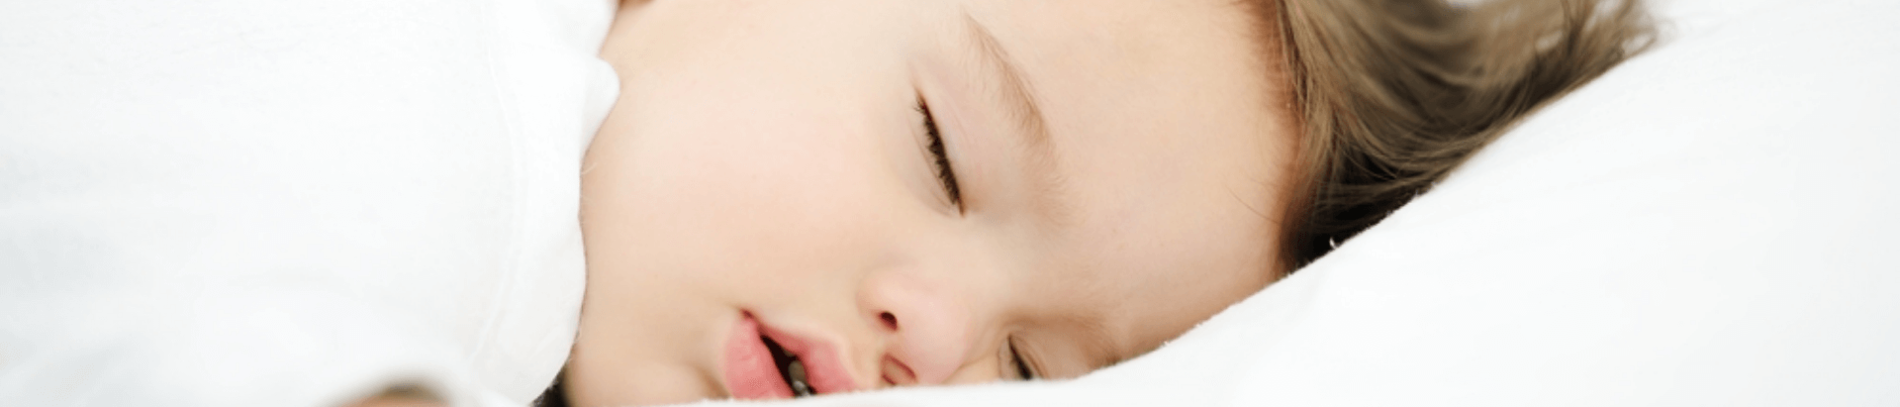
(767,167)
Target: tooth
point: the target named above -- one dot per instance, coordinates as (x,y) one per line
(797,372)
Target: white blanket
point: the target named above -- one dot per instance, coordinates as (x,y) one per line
(243,203)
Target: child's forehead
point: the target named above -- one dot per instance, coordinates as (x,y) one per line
(1105,67)
(1147,97)
(1133,28)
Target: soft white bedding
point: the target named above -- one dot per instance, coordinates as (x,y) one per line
(243,203)
(1709,224)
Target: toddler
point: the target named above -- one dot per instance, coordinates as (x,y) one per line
(813,197)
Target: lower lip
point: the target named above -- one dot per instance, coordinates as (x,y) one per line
(749,371)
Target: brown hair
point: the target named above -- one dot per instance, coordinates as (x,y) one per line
(1394,94)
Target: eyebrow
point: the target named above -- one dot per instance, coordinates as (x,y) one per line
(1020,104)
(1014,90)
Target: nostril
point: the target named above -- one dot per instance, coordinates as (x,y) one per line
(890,321)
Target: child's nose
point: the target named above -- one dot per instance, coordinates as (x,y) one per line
(926,328)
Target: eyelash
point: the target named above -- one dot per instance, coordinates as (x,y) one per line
(945,175)
(1023,370)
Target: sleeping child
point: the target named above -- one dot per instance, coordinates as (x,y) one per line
(797,198)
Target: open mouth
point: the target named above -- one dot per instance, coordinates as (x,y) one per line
(762,363)
(789,368)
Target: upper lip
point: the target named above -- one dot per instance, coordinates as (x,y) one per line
(824,364)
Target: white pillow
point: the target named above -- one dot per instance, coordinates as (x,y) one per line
(291,203)
(1712,223)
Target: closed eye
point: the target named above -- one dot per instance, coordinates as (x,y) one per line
(945,176)
(1021,368)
